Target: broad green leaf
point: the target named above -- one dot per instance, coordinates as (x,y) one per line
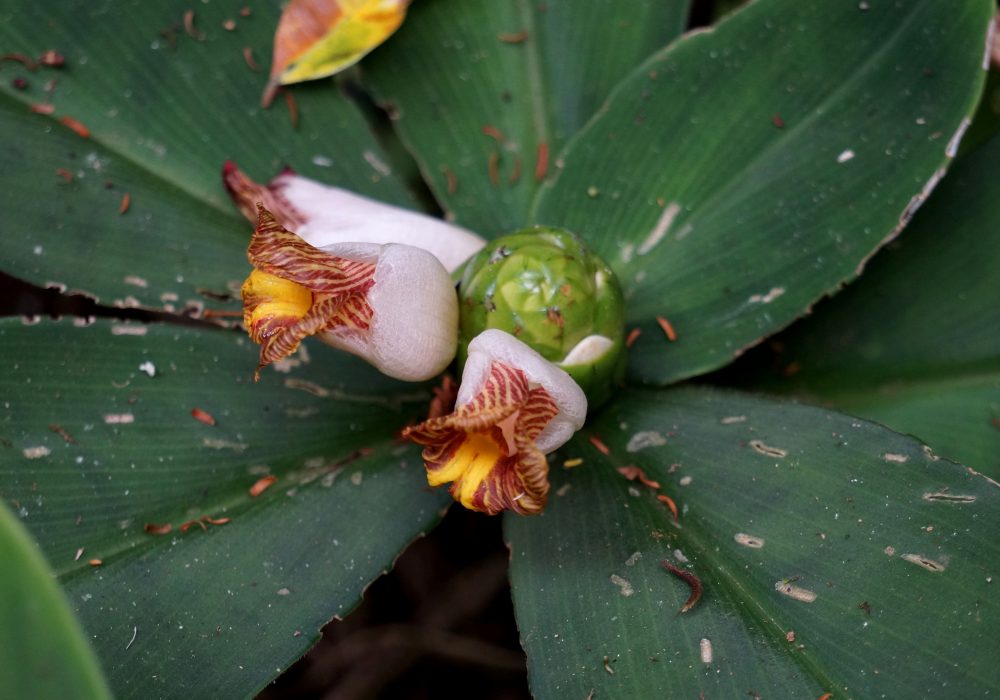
(96,449)
(836,557)
(915,343)
(744,172)
(43,653)
(531,72)
(165,111)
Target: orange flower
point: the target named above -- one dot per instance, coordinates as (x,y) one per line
(513,408)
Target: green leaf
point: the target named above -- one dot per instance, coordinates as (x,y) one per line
(889,553)
(744,172)
(164,115)
(43,653)
(915,343)
(535,72)
(96,449)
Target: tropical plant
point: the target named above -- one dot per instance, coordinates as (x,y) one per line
(203,527)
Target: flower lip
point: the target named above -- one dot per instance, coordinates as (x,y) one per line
(512,408)
(325,215)
(496,345)
(391,305)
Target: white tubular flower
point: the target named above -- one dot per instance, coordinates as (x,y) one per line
(392,305)
(324,215)
(513,408)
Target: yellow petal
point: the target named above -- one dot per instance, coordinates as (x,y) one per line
(468,467)
(317,38)
(486,446)
(271,303)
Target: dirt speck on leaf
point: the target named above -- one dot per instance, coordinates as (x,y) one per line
(925,563)
(768,450)
(749,540)
(624,586)
(789,589)
(705,650)
(645,439)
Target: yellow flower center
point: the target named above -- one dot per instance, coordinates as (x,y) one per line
(469,467)
(282,298)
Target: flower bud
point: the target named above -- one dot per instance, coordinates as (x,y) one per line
(323,215)
(547,289)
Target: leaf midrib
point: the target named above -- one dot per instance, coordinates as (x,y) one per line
(533,71)
(753,606)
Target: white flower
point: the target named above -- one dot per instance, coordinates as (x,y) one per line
(392,305)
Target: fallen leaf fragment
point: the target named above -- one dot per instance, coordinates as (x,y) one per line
(317,38)
(293,109)
(76,126)
(202,416)
(599,444)
(451,180)
(668,329)
(493,132)
(541,161)
(262,485)
(632,472)
(690,579)
(20,58)
(61,432)
(248,58)
(187,526)
(492,168)
(189,27)
(52,59)
(669,503)
(515,38)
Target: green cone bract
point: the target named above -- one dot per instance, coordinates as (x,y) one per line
(546,288)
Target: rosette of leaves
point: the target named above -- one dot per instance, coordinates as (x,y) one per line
(732,178)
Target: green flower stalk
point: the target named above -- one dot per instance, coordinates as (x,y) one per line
(546,288)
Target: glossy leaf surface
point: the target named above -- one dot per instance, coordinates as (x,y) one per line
(43,652)
(915,343)
(836,557)
(743,173)
(110,438)
(486,92)
(165,109)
